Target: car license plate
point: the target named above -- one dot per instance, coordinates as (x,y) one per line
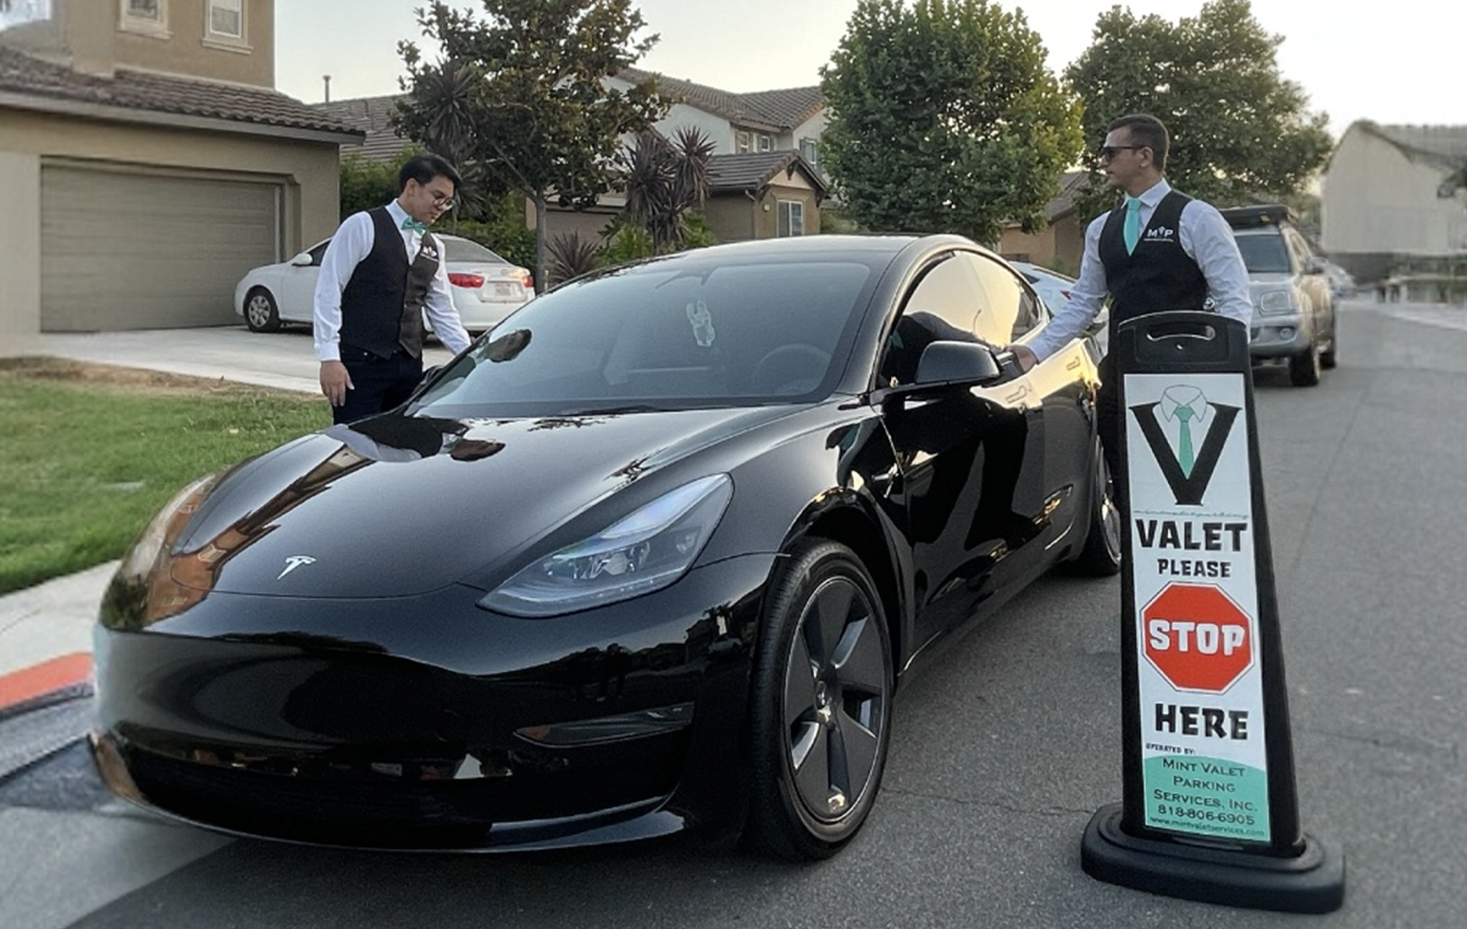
(501,290)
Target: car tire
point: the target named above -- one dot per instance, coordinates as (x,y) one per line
(1327,359)
(1101,556)
(1304,367)
(260,312)
(820,710)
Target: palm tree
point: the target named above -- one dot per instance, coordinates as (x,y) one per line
(664,180)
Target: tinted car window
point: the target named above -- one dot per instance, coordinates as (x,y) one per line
(670,335)
(464,250)
(1264,253)
(942,306)
(1009,309)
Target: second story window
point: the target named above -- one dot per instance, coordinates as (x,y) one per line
(810,151)
(226,19)
(149,10)
(741,139)
(146,16)
(765,143)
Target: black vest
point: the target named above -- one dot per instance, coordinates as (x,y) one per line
(1158,275)
(382,304)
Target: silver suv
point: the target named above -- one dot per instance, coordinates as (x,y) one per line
(1293,304)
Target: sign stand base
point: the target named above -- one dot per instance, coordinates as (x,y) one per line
(1310,882)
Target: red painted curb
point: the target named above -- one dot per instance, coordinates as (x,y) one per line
(47,677)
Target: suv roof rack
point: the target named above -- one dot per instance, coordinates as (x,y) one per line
(1263,214)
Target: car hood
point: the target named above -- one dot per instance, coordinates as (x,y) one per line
(399,506)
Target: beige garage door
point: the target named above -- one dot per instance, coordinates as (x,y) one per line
(138,251)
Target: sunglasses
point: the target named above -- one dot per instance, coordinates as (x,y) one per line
(1107,152)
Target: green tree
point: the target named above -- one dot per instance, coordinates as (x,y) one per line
(1239,131)
(944,118)
(519,94)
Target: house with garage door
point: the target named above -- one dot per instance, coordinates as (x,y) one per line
(150,162)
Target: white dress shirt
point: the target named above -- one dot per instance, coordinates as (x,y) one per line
(353,242)
(1205,237)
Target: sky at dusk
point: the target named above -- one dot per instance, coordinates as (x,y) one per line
(1396,62)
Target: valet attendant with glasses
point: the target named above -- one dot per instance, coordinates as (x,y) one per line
(1158,250)
(380,272)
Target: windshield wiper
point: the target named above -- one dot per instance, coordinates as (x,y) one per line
(608,410)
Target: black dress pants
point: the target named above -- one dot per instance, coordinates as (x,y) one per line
(379,384)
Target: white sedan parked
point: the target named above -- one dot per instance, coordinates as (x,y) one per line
(485,287)
(1054,289)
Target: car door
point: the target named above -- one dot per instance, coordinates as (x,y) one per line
(964,455)
(297,295)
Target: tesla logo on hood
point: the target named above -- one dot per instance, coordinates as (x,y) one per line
(293,562)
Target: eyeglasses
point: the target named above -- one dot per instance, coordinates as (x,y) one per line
(444,200)
(1107,152)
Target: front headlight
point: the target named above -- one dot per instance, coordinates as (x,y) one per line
(140,559)
(1278,301)
(646,551)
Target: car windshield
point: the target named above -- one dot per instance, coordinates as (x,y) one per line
(671,334)
(1264,253)
(464,250)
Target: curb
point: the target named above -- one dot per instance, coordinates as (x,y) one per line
(66,677)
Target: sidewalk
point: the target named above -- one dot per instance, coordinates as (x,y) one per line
(50,620)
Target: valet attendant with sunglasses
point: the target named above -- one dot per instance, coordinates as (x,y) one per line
(1158,250)
(381,271)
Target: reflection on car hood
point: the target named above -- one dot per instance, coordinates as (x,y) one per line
(397,506)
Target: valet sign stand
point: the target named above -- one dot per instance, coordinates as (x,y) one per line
(1208,808)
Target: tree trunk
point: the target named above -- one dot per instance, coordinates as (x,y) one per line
(540,263)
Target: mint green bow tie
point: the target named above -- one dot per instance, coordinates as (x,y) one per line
(414,225)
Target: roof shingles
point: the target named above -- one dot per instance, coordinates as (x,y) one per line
(161,93)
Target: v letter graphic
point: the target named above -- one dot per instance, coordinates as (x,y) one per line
(1188,489)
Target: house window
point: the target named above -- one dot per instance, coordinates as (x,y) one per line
(791,217)
(226,19)
(742,139)
(810,151)
(765,143)
(150,10)
(149,17)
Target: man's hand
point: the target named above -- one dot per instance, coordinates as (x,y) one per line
(1025,356)
(335,382)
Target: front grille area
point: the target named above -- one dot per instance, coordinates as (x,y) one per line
(357,805)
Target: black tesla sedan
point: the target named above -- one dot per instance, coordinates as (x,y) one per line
(653,554)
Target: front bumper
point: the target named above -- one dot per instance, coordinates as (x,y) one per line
(1279,336)
(611,725)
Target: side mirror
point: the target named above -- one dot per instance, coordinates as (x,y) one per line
(303,260)
(957,362)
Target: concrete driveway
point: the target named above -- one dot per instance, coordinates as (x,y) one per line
(283,359)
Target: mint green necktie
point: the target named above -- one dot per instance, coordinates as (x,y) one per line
(414,225)
(1132,228)
(1184,443)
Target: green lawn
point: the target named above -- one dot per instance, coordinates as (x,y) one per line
(88,454)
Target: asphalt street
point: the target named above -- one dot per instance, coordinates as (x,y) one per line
(1004,744)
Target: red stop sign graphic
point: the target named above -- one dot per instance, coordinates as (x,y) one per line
(1197,637)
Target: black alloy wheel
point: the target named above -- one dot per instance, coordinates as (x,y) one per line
(1101,556)
(261,314)
(821,710)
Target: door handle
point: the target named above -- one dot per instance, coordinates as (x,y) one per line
(1017,395)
